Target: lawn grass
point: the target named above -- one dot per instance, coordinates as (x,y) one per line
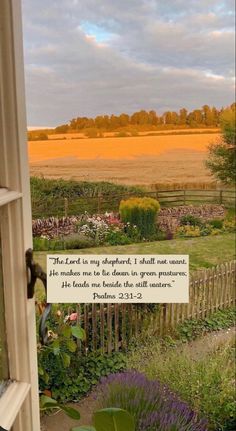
(204,252)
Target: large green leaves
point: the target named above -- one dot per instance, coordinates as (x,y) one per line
(78,332)
(113,419)
(50,403)
(47,402)
(72,413)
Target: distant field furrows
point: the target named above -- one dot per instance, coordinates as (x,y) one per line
(134,160)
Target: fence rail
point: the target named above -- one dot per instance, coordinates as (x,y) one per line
(102,203)
(110,327)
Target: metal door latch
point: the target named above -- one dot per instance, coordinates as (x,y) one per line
(36,272)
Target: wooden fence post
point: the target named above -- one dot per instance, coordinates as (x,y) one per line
(78,310)
(111,327)
(102,328)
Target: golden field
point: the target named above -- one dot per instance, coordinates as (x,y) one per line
(131,160)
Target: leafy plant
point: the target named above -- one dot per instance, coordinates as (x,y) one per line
(61,346)
(191,220)
(47,403)
(193,328)
(216,223)
(111,419)
(116,237)
(70,383)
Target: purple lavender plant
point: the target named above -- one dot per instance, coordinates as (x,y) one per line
(151,403)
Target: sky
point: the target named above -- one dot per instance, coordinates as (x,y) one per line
(96,57)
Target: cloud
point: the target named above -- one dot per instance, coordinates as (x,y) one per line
(91,57)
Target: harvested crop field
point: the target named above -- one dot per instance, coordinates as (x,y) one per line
(132,160)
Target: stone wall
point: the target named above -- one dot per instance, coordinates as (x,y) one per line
(169,218)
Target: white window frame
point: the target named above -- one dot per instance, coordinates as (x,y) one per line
(19,405)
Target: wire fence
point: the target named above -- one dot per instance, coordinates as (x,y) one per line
(63,207)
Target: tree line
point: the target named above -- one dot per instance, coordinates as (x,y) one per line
(204,117)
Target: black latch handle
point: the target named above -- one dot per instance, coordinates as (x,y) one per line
(35,271)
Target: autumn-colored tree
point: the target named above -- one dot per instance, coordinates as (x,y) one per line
(207,116)
(124,120)
(168,117)
(153,118)
(62,129)
(183,116)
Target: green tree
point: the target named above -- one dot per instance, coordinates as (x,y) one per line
(222,154)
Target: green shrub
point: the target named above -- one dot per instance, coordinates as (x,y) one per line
(48,196)
(117,238)
(71,242)
(190,220)
(75,241)
(140,212)
(217,224)
(45,244)
(193,328)
(69,383)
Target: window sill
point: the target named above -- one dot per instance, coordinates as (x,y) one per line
(7,196)
(11,402)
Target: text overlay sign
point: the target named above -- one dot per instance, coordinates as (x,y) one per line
(117,278)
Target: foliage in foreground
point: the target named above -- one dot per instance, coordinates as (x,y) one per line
(72,380)
(113,419)
(205,384)
(151,403)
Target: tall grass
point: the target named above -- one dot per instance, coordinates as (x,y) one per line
(207,385)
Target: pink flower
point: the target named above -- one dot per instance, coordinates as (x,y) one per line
(73,317)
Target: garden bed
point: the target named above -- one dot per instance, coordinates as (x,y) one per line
(140,220)
(170,218)
(203,348)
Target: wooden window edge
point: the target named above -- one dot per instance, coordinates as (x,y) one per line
(11,402)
